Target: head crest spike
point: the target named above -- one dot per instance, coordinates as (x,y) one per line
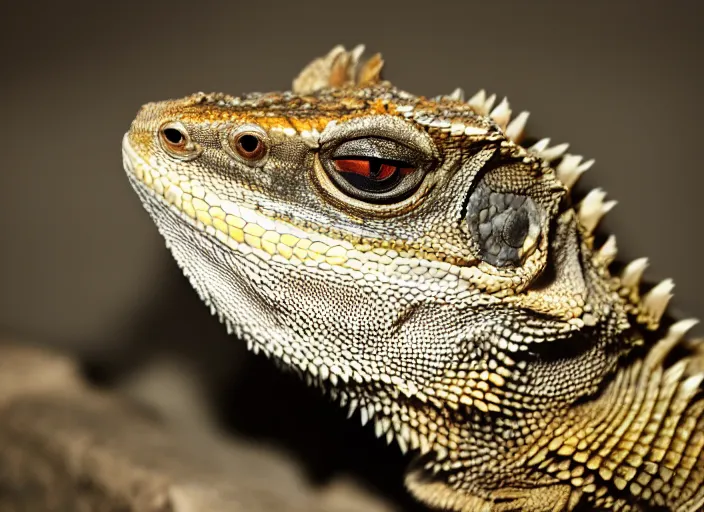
(633,273)
(515,129)
(593,208)
(457,94)
(339,68)
(608,251)
(539,146)
(550,154)
(501,115)
(488,105)
(477,101)
(571,168)
(370,73)
(655,303)
(663,347)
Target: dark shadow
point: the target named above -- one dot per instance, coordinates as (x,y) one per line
(254,398)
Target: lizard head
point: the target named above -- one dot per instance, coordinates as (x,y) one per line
(413,256)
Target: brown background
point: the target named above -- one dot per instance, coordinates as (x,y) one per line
(82,266)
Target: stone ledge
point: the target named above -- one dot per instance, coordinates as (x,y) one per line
(67,447)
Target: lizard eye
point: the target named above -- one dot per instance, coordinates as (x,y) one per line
(176,141)
(374,170)
(506,227)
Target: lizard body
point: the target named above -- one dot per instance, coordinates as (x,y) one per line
(428,268)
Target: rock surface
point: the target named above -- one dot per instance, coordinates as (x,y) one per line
(65,446)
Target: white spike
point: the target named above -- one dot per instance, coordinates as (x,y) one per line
(501,114)
(656,300)
(389,436)
(402,444)
(539,146)
(414,439)
(663,347)
(386,424)
(593,208)
(364,415)
(424,444)
(586,166)
(633,273)
(353,407)
(550,154)
(488,104)
(334,393)
(514,130)
(378,428)
(355,54)
(571,168)
(457,94)
(681,327)
(477,101)
(691,385)
(608,251)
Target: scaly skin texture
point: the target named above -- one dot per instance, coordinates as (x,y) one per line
(425,266)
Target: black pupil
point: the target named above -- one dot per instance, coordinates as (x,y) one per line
(249,143)
(173,136)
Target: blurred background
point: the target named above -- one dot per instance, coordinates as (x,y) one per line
(82,267)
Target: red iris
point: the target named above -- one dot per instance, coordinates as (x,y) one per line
(372,169)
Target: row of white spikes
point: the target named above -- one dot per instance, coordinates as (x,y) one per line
(591,209)
(570,168)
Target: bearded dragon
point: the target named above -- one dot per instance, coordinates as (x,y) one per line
(426,265)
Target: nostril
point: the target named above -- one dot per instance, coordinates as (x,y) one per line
(175,141)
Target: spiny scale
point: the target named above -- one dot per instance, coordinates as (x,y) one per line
(593,208)
(501,114)
(571,168)
(608,251)
(516,128)
(654,303)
